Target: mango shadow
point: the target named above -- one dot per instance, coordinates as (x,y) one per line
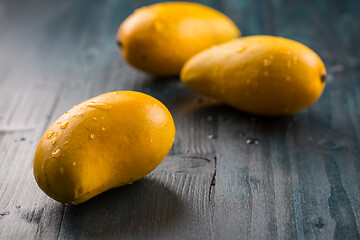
(146,208)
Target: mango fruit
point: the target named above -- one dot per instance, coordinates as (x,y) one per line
(160,38)
(108,141)
(263,75)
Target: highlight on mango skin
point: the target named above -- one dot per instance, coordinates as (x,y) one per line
(160,38)
(108,141)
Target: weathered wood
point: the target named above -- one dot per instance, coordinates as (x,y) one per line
(229,175)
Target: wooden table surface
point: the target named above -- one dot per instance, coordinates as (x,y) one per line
(298,178)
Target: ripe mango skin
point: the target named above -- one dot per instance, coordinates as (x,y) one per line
(108,141)
(160,38)
(263,75)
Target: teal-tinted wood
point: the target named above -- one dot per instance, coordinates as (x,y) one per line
(229,175)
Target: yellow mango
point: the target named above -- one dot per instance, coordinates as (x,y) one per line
(160,38)
(263,75)
(105,142)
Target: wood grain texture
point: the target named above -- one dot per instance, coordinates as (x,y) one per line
(229,175)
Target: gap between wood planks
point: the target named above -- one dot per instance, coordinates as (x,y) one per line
(213,180)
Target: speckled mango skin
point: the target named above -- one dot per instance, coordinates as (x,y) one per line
(160,38)
(263,75)
(105,142)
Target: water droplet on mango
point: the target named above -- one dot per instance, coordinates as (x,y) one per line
(266,62)
(49,135)
(241,50)
(64,125)
(102,106)
(53,142)
(57,153)
(92,136)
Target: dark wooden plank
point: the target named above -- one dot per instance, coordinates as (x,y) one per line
(229,175)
